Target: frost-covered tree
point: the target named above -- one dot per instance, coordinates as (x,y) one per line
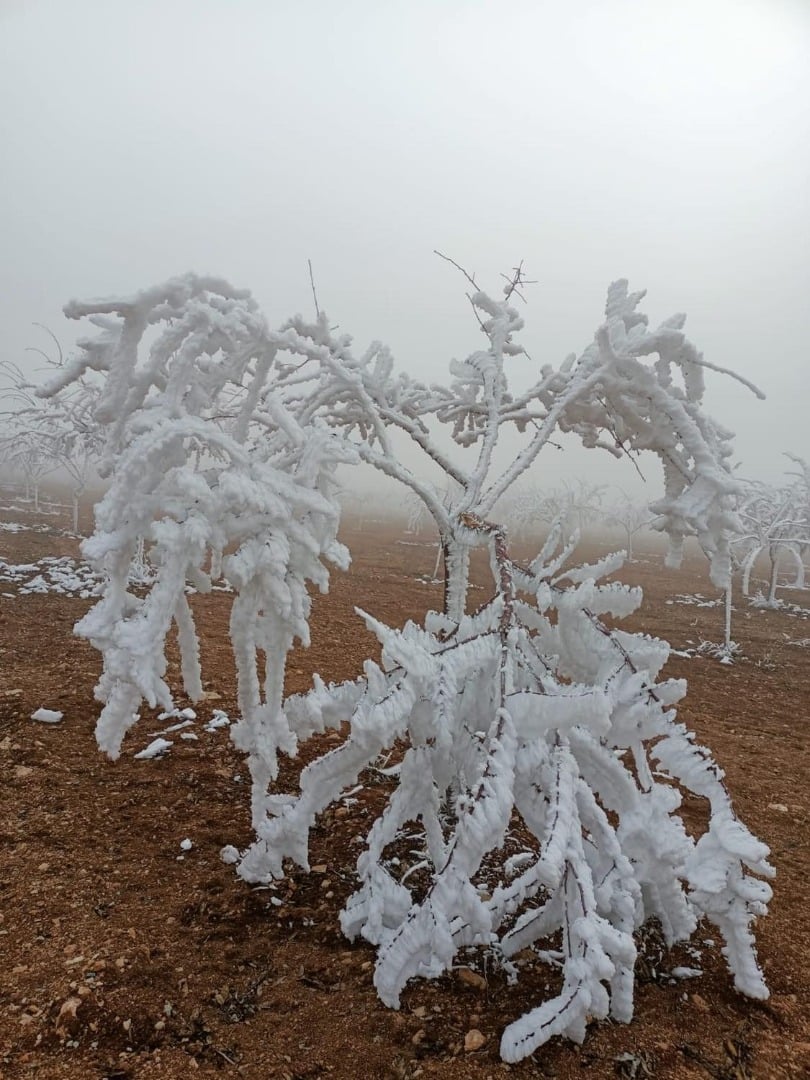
(74,438)
(801,487)
(629,516)
(527,723)
(67,439)
(60,433)
(531,510)
(417,514)
(775,523)
(27,453)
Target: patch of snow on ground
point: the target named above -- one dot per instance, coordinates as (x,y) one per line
(47,716)
(760,603)
(58,574)
(156,748)
(219,719)
(159,746)
(15,527)
(694,599)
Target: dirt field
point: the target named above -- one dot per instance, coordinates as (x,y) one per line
(124,957)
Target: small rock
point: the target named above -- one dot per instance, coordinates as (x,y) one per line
(474,1040)
(319,869)
(66,1014)
(21,772)
(700,1003)
(420,1011)
(778,806)
(472,979)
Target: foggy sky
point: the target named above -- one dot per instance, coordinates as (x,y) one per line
(666,143)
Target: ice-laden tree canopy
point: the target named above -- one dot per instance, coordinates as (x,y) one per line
(527,726)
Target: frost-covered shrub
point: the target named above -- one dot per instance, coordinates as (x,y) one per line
(528,717)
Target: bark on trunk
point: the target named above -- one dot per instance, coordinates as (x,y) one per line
(456,573)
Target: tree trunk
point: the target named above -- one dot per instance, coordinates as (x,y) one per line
(727,630)
(456,573)
(774,574)
(439,553)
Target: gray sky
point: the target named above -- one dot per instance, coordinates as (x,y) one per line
(667,143)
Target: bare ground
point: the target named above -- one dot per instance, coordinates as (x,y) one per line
(123,957)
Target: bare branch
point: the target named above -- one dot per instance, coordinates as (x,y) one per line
(314,294)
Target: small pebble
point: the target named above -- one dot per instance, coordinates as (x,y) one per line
(474,1040)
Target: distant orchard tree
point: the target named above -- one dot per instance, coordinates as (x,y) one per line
(59,433)
(629,516)
(25,452)
(776,524)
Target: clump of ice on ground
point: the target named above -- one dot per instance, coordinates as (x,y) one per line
(47,716)
(156,748)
